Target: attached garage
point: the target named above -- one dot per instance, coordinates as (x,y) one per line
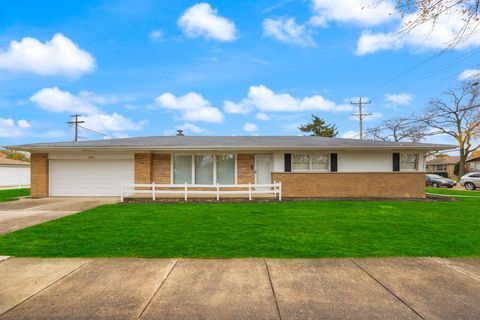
(89,177)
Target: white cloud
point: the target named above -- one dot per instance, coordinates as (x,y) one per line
(424,36)
(350,134)
(360,12)
(238,108)
(23,124)
(370,42)
(250,127)
(469,74)
(265,100)
(59,56)
(156,35)
(110,123)
(192,107)
(190,127)
(288,31)
(202,20)
(401,99)
(262,116)
(56,100)
(8,128)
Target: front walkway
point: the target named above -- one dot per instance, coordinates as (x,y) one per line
(392,288)
(19,214)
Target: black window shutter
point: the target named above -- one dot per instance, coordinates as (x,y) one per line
(288,162)
(333,162)
(396,162)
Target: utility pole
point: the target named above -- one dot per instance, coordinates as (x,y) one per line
(360,113)
(75,123)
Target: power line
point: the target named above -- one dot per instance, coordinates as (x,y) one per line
(425,61)
(432,73)
(76,124)
(103,134)
(360,113)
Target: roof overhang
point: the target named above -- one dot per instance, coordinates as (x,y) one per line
(424,148)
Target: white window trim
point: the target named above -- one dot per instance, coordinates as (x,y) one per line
(417,162)
(310,162)
(192,157)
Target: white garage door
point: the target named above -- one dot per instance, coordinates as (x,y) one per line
(14,176)
(90,177)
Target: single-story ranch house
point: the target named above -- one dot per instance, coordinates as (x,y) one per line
(13,173)
(306,166)
(443,165)
(473,164)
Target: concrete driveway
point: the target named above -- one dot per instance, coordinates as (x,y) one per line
(15,215)
(393,288)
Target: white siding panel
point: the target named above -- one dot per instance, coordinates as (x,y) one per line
(14,176)
(365,162)
(90,177)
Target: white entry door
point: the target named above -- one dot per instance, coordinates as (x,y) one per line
(90,177)
(263,168)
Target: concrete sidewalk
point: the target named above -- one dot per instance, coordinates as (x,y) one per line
(393,288)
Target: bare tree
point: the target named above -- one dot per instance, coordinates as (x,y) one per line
(420,12)
(398,129)
(458,117)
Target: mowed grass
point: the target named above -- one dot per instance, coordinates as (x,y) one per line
(13,194)
(313,229)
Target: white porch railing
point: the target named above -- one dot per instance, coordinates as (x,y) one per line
(128,189)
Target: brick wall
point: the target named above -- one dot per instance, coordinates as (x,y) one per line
(352,185)
(161,168)
(245,168)
(143,168)
(39,175)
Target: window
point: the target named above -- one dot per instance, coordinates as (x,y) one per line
(300,162)
(408,161)
(226,169)
(474,166)
(439,167)
(182,169)
(204,169)
(309,162)
(319,162)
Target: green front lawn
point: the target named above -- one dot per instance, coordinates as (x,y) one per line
(310,229)
(13,194)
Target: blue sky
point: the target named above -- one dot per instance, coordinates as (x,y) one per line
(144,67)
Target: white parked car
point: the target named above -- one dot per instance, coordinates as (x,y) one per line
(471,181)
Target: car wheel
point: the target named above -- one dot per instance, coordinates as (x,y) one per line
(435,185)
(470,186)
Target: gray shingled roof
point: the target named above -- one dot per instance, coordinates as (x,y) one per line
(230,142)
(444,160)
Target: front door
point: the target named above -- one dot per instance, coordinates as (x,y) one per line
(263,169)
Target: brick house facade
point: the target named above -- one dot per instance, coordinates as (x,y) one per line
(322,169)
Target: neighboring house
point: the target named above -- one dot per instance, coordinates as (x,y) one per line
(308,167)
(443,164)
(13,173)
(473,164)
